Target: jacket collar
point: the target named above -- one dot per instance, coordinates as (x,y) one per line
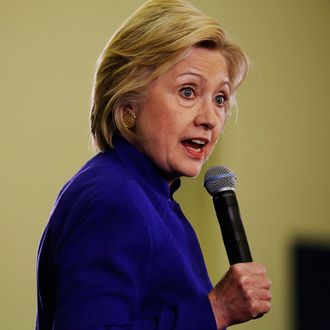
(142,168)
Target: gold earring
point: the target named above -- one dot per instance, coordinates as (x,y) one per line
(129,119)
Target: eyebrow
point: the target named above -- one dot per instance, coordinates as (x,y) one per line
(191,73)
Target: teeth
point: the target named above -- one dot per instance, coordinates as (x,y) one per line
(198,141)
(195,149)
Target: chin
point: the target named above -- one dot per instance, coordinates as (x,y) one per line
(191,171)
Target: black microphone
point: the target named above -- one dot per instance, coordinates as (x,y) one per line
(220,183)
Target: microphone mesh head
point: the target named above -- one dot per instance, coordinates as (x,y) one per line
(219,178)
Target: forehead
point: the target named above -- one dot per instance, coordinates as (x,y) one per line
(201,61)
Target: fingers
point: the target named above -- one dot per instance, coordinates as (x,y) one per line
(257,301)
(255,281)
(242,294)
(255,287)
(250,268)
(265,295)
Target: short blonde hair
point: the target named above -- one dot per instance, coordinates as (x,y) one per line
(150,42)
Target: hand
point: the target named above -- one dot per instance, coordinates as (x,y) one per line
(242,294)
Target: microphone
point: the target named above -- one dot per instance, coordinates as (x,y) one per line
(220,183)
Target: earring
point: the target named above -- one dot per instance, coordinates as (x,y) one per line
(129,119)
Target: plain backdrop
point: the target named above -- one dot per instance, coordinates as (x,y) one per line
(277,142)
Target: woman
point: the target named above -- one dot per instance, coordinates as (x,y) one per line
(117,252)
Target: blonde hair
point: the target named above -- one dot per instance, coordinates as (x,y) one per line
(150,42)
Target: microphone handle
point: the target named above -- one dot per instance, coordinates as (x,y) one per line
(233,233)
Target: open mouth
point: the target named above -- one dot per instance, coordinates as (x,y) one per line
(195,146)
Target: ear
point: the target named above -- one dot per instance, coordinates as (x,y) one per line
(129,108)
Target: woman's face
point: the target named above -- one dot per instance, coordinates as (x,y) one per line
(184,113)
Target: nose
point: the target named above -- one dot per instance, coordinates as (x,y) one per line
(207,116)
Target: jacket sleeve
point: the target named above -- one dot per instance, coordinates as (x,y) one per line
(102,267)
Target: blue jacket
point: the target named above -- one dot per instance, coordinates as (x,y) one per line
(118,252)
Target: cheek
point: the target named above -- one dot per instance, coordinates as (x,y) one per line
(217,132)
(160,135)
(222,124)
(170,126)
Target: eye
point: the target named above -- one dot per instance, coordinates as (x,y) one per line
(187,92)
(220,99)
